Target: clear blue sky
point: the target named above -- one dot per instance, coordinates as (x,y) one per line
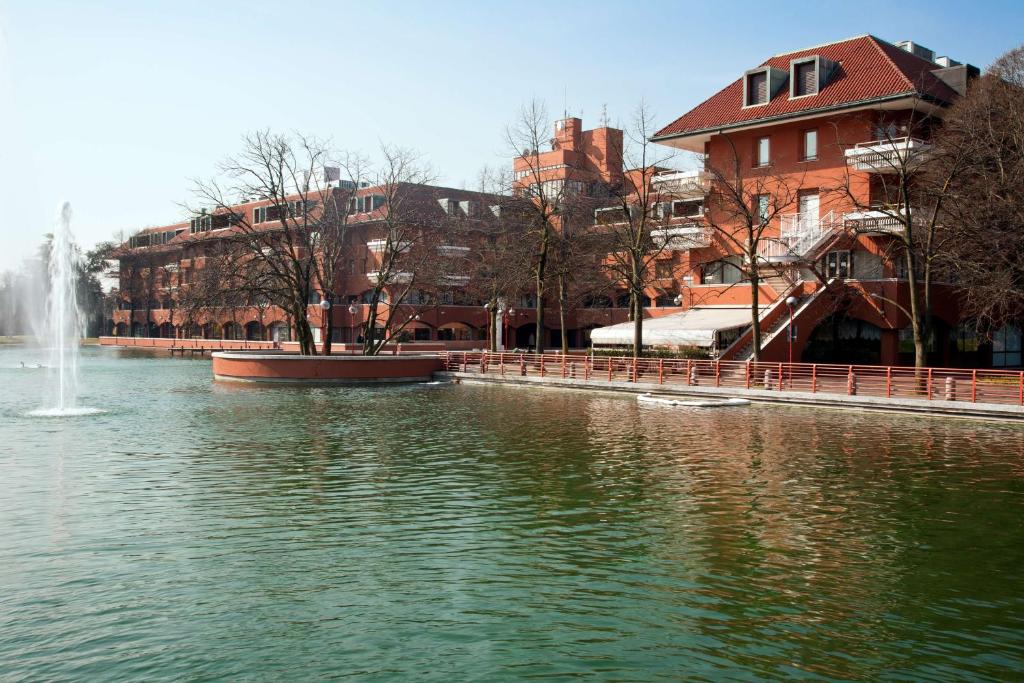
(115,105)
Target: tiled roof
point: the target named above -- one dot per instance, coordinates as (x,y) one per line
(869,69)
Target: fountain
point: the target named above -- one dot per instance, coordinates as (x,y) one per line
(63,329)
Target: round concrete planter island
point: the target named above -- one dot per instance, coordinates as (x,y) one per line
(290,368)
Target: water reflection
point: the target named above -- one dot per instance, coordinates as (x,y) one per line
(201,530)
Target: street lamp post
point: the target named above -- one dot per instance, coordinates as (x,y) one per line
(325,320)
(352,310)
(507,323)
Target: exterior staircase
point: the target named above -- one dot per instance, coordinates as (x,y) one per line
(801,239)
(775,319)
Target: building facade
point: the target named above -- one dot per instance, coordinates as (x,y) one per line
(815,142)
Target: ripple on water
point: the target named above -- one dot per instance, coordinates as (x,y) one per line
(198,531)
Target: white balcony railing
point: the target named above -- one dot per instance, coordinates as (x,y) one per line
(452,250)
(394,279)
(800,236)
(455,280)
(875,221)
(378,246)
(682,184)
(887,156)
(682,237)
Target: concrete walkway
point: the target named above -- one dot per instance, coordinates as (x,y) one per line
(961,409)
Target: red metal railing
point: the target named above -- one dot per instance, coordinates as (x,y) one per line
(171,342)
(1003,387)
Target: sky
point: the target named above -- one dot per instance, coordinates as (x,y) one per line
(118,106)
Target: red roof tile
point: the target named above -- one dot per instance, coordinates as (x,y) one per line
(869,69)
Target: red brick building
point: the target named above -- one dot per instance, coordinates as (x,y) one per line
(817,125)
(820,124)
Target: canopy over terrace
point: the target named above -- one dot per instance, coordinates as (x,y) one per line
(703,326)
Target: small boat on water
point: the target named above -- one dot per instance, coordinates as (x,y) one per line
(691,402)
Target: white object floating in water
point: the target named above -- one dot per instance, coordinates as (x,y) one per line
(692,403)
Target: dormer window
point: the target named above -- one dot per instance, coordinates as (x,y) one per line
(807,75)
(757,89)
(760,85)
(805,78)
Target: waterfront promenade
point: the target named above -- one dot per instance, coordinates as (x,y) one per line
(963,392)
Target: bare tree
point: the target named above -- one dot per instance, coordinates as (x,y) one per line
(983,137)
(741,213)
(296,206)
(408,237)
(637,227)
(905,205)
(500,269)
(545,197)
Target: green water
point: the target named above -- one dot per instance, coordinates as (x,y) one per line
(198,531)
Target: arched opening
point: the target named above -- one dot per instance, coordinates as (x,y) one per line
(280,332)
(233,331)
(211,331)
(120,330)
(526,336)
(166,331)
(367,297)
(138,329)
(842,339)
(254,331)
(417,331)
(455,332)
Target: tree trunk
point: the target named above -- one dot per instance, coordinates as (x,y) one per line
(755,308)
(302,330)
(539,274)
(638,327)
(917,323)
(492,326)
(637,299)
(562,303)
(327,330)
(370,328)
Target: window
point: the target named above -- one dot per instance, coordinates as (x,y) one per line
(810,150)
(691,209)
(805,78)
(663,270)
(610,215)
(762,151)
(808,74)
(762,207)
(263,214)
(723,272)
(1006,347)
(757,88)
(838,264)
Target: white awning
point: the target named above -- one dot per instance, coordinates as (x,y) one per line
(695,327)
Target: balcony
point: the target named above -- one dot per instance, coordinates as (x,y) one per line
(682,238)
(394,279)
(454,280)
(800,238)
(453,251)
(875,222)
(887,156)
(682,184)
(378,246)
